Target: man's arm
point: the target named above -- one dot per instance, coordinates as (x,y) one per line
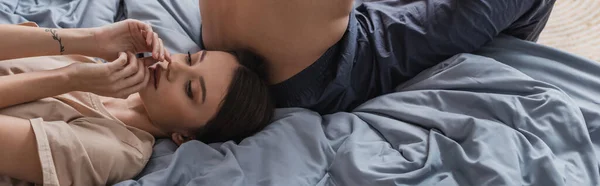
(23,41)
(19,158)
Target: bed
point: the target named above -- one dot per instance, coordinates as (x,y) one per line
(512,113)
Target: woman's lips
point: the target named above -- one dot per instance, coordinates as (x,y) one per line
(157,73)
(155,76)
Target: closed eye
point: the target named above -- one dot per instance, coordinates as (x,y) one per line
(188,85)
(188,90)
(189,59)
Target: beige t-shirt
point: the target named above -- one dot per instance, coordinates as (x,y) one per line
(78,141)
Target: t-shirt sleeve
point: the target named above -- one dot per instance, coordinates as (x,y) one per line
(87,152)
(418,34)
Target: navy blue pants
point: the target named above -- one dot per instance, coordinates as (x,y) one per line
(390,41)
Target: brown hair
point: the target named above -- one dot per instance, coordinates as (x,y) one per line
(246,109)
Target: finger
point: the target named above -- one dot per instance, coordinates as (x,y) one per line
(129,70)
(148,61)
(149,35)
(142,37)
(119,63)
(155,45)
(145,35)
(132,60)
(137,78)
(136,88)
(167,55)
(148,28)
(162,50)
(137,30)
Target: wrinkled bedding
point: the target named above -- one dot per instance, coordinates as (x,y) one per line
(471,120)
(60,13)
(512,113)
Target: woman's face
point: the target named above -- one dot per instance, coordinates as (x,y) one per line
(183,95)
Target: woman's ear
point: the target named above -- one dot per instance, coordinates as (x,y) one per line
(179,138)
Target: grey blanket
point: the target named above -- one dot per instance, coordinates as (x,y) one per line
(524,115)
(470,120)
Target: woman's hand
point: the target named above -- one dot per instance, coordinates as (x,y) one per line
(119,79)
(129,35)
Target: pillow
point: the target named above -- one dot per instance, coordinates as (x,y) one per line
(60,13)
(176,22)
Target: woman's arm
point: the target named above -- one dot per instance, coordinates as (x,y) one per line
(19,158)
(119,78)
(105,42)
(38,85)
(23,41)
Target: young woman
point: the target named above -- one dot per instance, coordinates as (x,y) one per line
(62,121)
(328,56)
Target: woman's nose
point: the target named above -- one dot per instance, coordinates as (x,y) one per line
(169,68)
(163,66)
(175,70)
